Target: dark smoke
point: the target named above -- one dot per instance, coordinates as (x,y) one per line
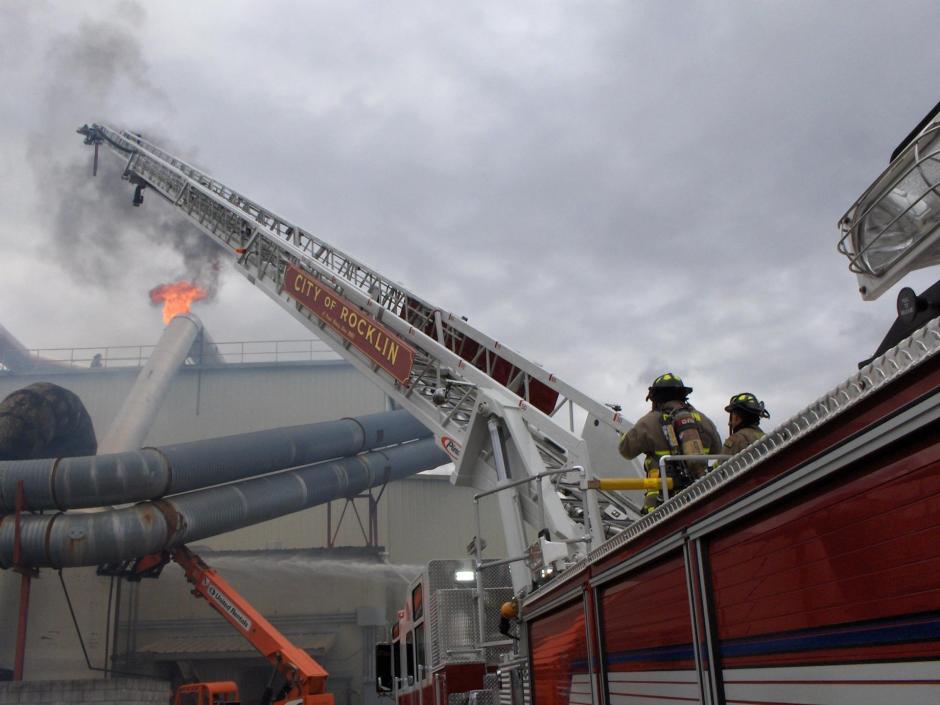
(99,73)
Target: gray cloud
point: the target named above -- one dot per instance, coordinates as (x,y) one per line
(91,227)
(611,189)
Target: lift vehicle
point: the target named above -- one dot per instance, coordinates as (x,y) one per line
(304,678)
(209,693)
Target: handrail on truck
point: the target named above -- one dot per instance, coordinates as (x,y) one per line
(479,566)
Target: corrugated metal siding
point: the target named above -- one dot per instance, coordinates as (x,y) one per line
(428,517)
(209,646)
(419,519)
(222,401)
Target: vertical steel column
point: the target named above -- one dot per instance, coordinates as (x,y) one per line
(20,657)
(26,575)
(478,569)
(329,524)
(373,521)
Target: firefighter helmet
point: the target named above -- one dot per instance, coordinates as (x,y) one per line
(668,381)
(509,610)
(748,403)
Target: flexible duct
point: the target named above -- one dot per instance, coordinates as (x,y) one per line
(150,473)
(82,539)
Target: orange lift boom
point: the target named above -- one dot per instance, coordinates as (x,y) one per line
(305,679)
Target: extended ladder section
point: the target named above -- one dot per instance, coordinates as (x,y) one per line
(499,416)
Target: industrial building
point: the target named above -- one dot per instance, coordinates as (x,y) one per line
(330,577)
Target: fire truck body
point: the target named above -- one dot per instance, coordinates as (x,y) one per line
(437,655)
(808,574)
(804,570)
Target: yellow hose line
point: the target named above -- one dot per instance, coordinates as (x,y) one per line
(628,483)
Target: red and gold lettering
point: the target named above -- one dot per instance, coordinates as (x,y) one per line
(365,333)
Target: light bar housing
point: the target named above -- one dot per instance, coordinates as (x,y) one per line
(894,227)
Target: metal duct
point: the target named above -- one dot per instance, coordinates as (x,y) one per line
(150,473)
(138,411)
(81,539)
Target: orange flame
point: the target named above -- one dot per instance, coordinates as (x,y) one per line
(176,297)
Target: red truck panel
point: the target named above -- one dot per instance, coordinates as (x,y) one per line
(847,570)
(558,644)
(645,621)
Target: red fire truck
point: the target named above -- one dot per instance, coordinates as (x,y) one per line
(805,570)
(437,653)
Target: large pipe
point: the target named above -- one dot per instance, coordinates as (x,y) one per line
(151,473)
(82,539)
(140,408)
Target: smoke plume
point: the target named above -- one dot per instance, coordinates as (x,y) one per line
(99,73)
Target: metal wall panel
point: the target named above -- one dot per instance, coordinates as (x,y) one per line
(210,402)
(427,517)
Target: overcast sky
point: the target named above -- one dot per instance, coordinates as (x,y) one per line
(614,189)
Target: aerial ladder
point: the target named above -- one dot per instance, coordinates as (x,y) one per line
(304,678)
(498,415)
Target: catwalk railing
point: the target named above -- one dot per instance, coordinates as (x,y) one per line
(238,352)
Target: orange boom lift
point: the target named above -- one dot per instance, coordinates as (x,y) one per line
(304,678)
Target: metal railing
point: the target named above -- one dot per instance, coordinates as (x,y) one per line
(478,543)
(241,352)
(666,459)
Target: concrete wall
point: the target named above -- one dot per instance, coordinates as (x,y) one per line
(123,691)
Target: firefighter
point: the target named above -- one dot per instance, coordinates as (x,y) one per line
(744,414)
(508,617)
(672,427)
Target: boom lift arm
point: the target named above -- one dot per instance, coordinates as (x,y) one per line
(304,678)
(492,410)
